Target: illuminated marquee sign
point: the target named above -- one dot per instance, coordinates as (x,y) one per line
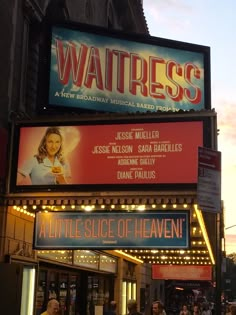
(104,73)
(166,229)
(115,154)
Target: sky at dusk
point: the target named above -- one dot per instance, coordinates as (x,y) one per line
(209,23)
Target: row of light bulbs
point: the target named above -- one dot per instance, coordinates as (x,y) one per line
(182,252)
(93,207)
(175,258)
(81,259)
(24,211)
(178,262)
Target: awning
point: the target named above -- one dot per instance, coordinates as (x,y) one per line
(200,251)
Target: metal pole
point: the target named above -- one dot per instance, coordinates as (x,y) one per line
(218,264)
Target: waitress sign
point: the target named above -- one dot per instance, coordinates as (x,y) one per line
(100,72)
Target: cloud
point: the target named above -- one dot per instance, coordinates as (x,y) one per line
(196,22)
(168,15)
(167,5)
(230,243)
(226,113)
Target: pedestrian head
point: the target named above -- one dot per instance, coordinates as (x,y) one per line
(157,307)
(113,305)
(53,307)
(132,306)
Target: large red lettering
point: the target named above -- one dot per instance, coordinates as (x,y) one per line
(153,84)
(121,55)
(69,61)
(63,62)
(155,78)
(197,93)
(138,75)
(172,67)
(109,70)
(94,71)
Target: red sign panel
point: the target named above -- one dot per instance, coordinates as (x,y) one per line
(171,272)
(147,153)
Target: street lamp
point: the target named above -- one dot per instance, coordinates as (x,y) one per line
(227,276)
(229,227)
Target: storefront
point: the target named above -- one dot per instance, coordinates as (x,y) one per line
(84,281)
(79,291)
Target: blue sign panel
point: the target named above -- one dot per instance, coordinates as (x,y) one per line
(109,74)
(74,230)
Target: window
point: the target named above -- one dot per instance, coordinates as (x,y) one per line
(28,287)
(129,291)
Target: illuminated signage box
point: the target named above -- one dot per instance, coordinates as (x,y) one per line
(112,154)
(199,273)
(209,180)
(168,229)
(120,73)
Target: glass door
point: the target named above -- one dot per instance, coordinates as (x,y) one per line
(129,291)
(63,286)
(74,298)
(40,302)
(98,293)
(52,286)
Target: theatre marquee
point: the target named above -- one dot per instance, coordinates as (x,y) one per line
(98,70)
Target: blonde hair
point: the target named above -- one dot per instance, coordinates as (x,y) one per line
(233,309)
(132,304)
(42,151)
(52,302)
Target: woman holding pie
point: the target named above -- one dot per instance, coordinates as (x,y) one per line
(48,166)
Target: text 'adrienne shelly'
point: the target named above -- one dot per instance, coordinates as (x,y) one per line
(111,228)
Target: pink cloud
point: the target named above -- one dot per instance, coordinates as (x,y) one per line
(230,243)
(226,121)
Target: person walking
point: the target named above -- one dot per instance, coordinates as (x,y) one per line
(196,310)
(184,310)
(52,308)
(206,309)
(158,308)
(132,307)
(111,309)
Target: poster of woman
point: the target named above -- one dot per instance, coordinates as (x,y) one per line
(107,154)
(44,155)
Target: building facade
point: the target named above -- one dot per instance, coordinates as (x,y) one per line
(83,280)
(24,31)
